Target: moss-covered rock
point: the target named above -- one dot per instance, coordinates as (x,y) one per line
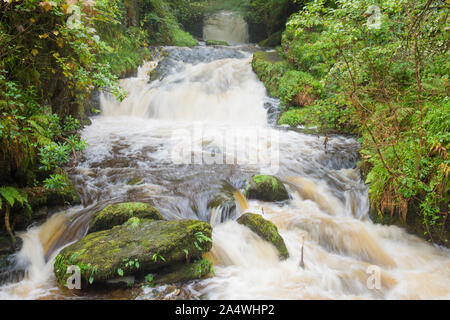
(42,203)
(272,41)
(135,181)
(116,214)
(266,188)
(266,230)
(216,43)
(138,247)
(157,73)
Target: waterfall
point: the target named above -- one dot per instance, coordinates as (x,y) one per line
(207,105)
(226,26)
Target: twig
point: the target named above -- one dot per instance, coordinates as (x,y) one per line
(75,162)
(302,264)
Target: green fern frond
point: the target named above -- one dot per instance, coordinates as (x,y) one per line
(12,195)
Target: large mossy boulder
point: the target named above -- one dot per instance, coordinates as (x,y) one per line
(138,247)
(266,230)
(116,214)
(266,188)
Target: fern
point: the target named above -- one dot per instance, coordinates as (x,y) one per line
(12,195)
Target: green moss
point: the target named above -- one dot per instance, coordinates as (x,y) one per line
(116,214)
(298,88)
(293,87)
(266,179)
(266,230)
(183,39)
(292,117)
(135,181)
(325,115)
(216,43)
(266,188)
(269,68)
(184,272)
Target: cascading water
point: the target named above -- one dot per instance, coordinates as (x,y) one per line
(203,97)
(226,26)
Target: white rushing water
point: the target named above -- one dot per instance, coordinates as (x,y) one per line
(206,98)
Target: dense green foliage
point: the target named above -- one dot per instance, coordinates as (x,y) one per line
(161,22)
(53,56)
(344,66)
(384,77)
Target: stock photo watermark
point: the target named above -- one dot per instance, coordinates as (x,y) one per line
(374,280)
(250,146)
(374,19)
(74,280)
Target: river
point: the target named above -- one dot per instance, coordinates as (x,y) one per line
(205,126)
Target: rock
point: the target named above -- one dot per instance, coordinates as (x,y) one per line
(216,43)
(272,41)
(43,202)
(269,57)
(157,73)
(10,271)
(116,214)
(227,203)
(138,247)
(185,272)
(135,181)
(266,230)
(266,188)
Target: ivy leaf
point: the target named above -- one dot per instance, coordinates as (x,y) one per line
(120,272)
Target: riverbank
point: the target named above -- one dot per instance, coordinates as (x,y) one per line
(342,81)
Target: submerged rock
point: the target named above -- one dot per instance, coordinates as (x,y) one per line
(266,230)
(138,247)
(224,203)
(10,270)
(266,188)
(135,181)
(116,214)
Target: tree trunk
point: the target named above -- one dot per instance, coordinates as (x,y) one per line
(8,226)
